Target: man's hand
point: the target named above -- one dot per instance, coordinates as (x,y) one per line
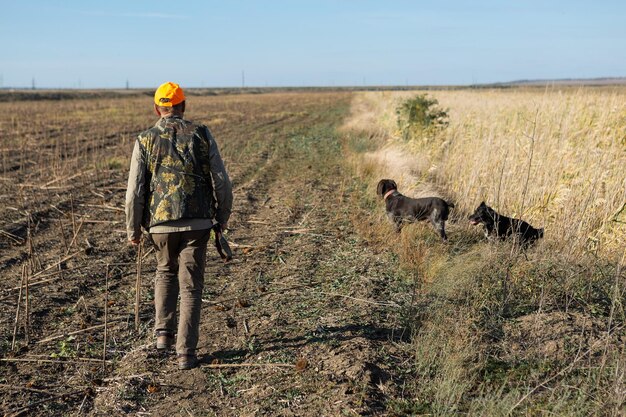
(134,242)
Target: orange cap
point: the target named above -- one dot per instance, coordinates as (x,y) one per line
(168,95)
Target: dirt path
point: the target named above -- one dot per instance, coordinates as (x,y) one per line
(312,310)
(300,304)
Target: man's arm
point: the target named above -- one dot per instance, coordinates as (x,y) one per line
(222,187)
(135,195)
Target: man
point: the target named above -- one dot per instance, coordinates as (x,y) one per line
(177,184)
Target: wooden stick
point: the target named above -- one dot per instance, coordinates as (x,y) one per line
(106,312)
(245,326)
(73,218)
(29,242)
(82,404)
(57,209)
(89,221)
(307,214)
(57,187)
(63,179)
(138,287)
(248,365)
(35,263)
(98,195)
(67,248)
(27,305)
(82,299)
(148,253)
(11,236)
(113,187)
(17,310)
(66,258)
(303,232)
(60,336)
(80,225)
(236,245)
(104,207)
(43,360)
(119,378)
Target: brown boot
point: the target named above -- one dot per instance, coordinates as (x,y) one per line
(164,340)
(187,361)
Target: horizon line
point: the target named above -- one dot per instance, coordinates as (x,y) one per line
(521,81)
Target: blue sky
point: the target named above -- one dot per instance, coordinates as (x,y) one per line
(101,44)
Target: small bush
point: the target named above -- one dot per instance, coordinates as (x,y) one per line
(419,114)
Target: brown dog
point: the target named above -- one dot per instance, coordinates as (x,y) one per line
(402,209)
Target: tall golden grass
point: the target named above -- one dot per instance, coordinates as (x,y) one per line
(554,157)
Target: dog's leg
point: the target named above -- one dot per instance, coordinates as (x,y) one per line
(442,231)
(396,220)
(438,224)
(440,227)
(398,224)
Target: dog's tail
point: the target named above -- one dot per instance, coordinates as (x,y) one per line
(540,233)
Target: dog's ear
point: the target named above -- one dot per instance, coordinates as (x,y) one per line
(379,188)
(394,185)
(482,204)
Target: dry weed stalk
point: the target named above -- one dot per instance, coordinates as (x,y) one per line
(27,305)
(67,248)
(35,263)
(138,285)
(74,232)
(80,225)
(106,316)
(17,310)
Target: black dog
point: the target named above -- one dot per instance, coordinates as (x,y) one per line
(405,209)
(499,226)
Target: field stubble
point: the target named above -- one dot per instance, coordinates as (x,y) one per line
(313,312)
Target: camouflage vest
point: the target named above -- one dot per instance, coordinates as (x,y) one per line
(176,154)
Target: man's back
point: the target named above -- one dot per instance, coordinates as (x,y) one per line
(177,160)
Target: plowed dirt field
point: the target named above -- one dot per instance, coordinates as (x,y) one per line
(303,322)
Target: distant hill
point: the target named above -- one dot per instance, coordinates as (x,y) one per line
(567,81)
(22,94)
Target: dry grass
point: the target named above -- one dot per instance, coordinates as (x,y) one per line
(553,158)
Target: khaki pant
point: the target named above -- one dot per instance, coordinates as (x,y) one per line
(181,259)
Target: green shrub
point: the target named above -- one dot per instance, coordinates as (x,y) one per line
(419,114)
